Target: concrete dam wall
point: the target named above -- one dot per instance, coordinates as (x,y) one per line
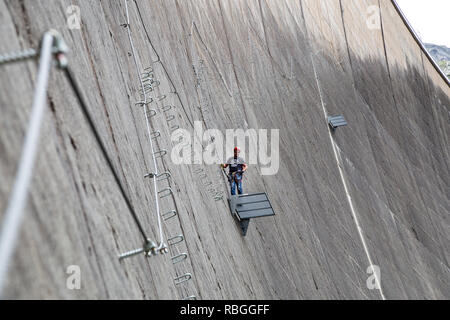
(373,193)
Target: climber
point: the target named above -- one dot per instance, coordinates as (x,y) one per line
(237,168)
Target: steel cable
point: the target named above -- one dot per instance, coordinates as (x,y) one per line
(88,117)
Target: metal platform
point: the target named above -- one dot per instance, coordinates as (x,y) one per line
(336,121)
(253,206)
(249,206)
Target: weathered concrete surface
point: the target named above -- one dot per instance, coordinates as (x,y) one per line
(234,64)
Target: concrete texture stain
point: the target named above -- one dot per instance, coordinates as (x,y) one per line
(233,64)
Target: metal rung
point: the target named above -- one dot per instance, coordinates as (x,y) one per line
(146,87)
(142,103)
(155,134)
(175,240)
(163,176)
(160,153)
(168,215)
(146,90)
(218,194)
(181,279)
(161,97)
(147,75)
(166,192)
(174,127)
(166,108)
(150,113)
(155,83)
(179,258)
(190,298)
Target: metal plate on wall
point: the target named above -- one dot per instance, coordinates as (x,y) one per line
(254,206)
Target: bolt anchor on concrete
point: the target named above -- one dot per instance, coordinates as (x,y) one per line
(59,50)
(149,248)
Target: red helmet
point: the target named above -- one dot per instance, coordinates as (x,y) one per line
(236,149)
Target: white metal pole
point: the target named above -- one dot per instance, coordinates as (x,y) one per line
(15,211)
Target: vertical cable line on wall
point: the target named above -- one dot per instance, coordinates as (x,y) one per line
(144,102)
(344,183)
(172,240)
(336,156)
(88,117)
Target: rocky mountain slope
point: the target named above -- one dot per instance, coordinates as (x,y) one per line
(441,54)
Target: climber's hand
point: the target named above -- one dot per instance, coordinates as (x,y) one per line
(222,166)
